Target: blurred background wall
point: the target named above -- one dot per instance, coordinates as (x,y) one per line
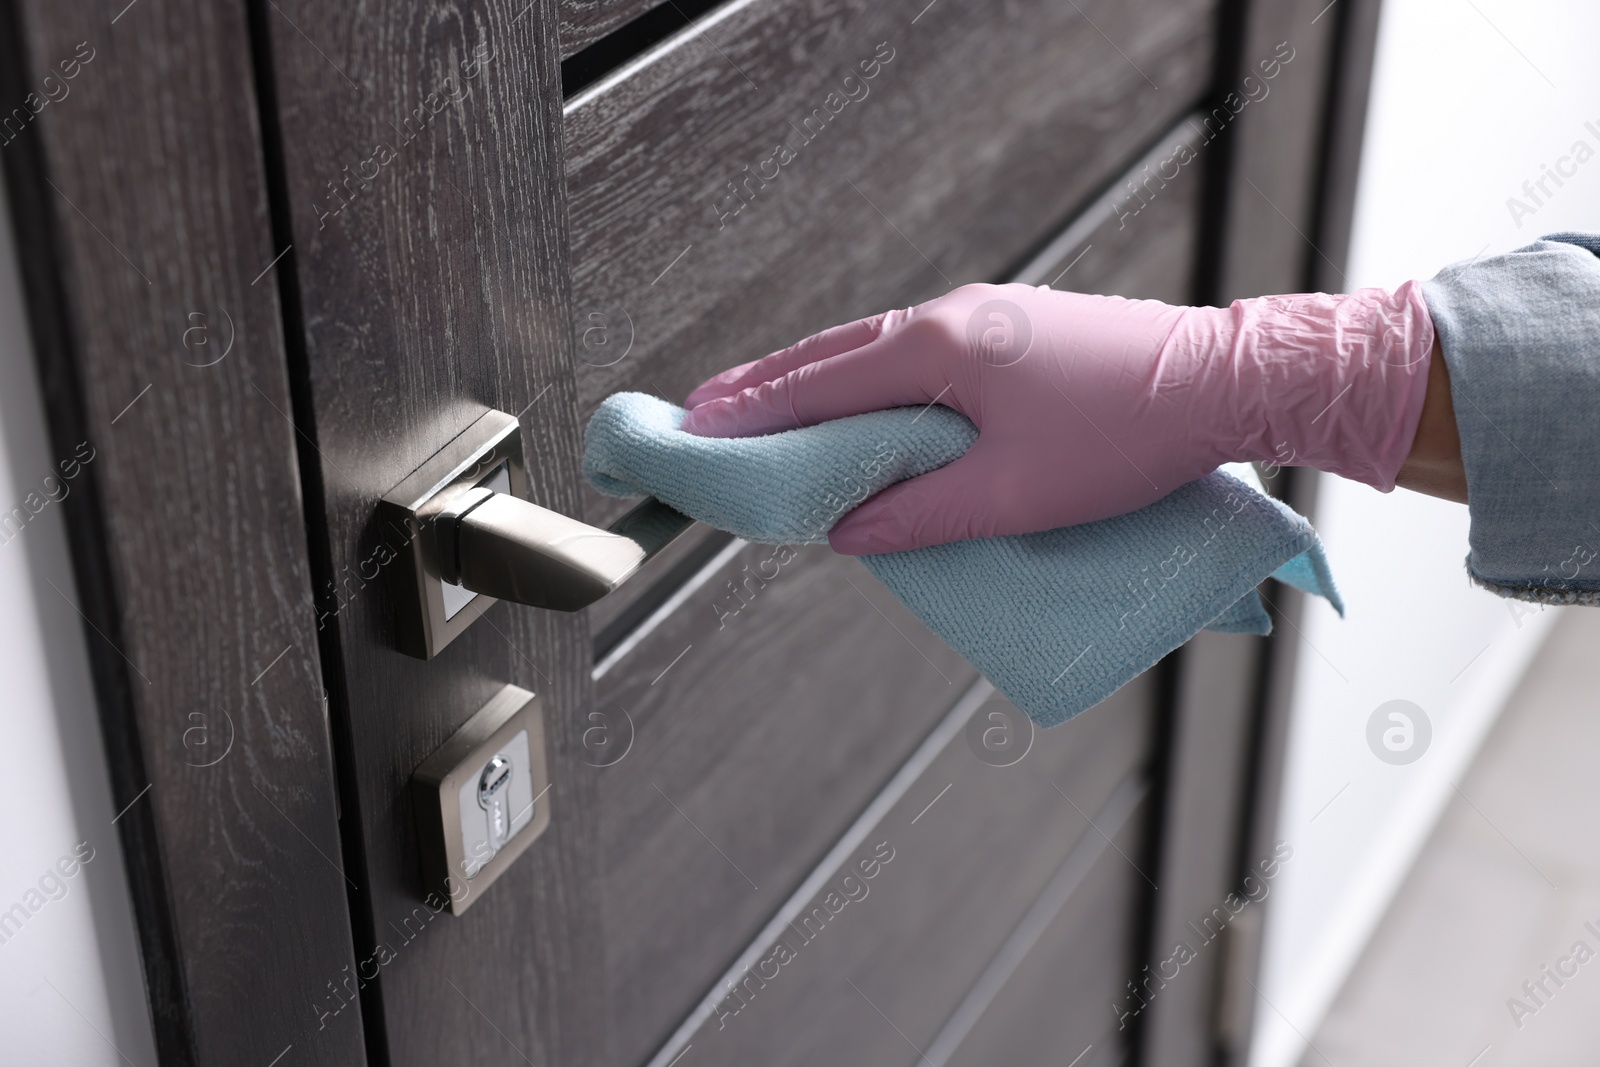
(1471,99)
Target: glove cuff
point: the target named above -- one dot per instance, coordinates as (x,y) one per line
(1331,381)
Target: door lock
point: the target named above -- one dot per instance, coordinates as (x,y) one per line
(480,799)
(472,537)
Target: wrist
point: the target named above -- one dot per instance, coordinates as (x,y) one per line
(1433,466)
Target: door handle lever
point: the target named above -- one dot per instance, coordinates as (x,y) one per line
(501,546)
(472,537)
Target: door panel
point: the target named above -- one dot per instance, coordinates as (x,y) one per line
(970,144)
(1055,1005)
(1139,239)
(757,738)
(620,615)
(884,953)
(583,22)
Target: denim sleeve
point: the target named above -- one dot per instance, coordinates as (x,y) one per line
(1520,335)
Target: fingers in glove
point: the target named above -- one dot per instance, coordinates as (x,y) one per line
(830,342)
(890,371)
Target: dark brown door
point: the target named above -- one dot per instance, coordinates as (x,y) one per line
(475,224)
(788,825)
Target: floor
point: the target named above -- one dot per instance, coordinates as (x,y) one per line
(1505,892)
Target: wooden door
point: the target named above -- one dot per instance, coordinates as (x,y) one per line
(773,701)
(788,824)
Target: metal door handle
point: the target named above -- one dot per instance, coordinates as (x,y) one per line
(498,545)
(471,537)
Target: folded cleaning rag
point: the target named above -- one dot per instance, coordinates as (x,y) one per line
(1058,620)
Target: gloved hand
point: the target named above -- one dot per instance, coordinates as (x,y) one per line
(1089,406)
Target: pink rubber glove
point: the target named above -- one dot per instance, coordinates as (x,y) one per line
(1092,406)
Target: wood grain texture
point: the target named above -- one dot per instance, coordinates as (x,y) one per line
(1140,238)
(422,159)
(141,209)
(583,22)
(968,861)
(1062,1000)
(987,129)
(760,740)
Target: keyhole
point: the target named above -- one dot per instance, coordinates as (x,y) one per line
(493,796)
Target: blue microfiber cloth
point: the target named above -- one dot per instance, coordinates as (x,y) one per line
(1058,620)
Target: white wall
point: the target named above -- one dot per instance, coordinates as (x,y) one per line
(71,986)
(1463,113)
